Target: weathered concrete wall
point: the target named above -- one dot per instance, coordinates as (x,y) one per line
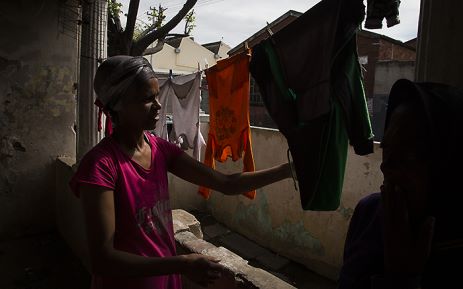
(275,218)
(37,111)
(388,72)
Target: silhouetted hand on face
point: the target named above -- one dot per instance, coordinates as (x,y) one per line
(406,246)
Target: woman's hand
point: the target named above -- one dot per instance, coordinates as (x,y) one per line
(189,169)
(406,246)
(201,269)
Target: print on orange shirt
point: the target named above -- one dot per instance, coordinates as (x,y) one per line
(229,131)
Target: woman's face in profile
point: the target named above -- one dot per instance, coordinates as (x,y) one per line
(141,111)
(405,164)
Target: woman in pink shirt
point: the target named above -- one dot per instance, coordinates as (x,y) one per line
(122,183)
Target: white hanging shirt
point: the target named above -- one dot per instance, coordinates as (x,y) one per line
(183,92)
(161,125)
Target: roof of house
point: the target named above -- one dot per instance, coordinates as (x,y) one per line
(412,42)
(214,47)
(174,42)
(292,15)
(262,34)
(374,35)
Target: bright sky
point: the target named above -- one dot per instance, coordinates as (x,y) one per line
(232,21)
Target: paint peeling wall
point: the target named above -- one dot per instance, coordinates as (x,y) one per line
(388,72)
(275,218)
(38,68)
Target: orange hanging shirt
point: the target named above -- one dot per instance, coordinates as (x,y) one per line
(229,131)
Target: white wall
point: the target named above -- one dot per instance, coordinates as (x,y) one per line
(223,50)
(186,61)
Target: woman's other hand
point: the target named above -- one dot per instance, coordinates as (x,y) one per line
(202,269)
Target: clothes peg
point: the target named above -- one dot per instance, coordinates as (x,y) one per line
(246,47)
(270,32)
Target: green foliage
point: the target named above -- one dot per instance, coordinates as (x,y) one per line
(190,20)
(119,44)
(114,8)
(139,29)
(156,17)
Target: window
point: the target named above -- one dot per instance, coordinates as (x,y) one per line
(255,98)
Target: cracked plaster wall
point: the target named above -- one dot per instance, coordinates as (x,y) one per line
(38,71)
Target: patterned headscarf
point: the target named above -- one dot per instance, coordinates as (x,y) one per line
(112,80)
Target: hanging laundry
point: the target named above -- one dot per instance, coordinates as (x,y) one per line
(310,79)
(229,131)
(185,97)
(163,96)
(183,93)
(377,10)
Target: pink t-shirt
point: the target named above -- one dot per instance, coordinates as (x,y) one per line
(142,208)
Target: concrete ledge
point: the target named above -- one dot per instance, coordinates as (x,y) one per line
(184,221)
(239,273)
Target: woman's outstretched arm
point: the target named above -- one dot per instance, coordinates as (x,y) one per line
(191,170)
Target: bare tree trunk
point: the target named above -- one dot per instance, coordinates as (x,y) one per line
(130,26)
(121,41)
(116,44)
(139,46)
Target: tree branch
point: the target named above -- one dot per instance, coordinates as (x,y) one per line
(116,42)
(139,46)
(116,19)
(156,49)
(130,26)
(161,42)
(148,30)
(176,35)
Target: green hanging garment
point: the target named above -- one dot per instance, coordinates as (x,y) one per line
(309,76)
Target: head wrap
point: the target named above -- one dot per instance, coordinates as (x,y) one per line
(443,106)
(112,80)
